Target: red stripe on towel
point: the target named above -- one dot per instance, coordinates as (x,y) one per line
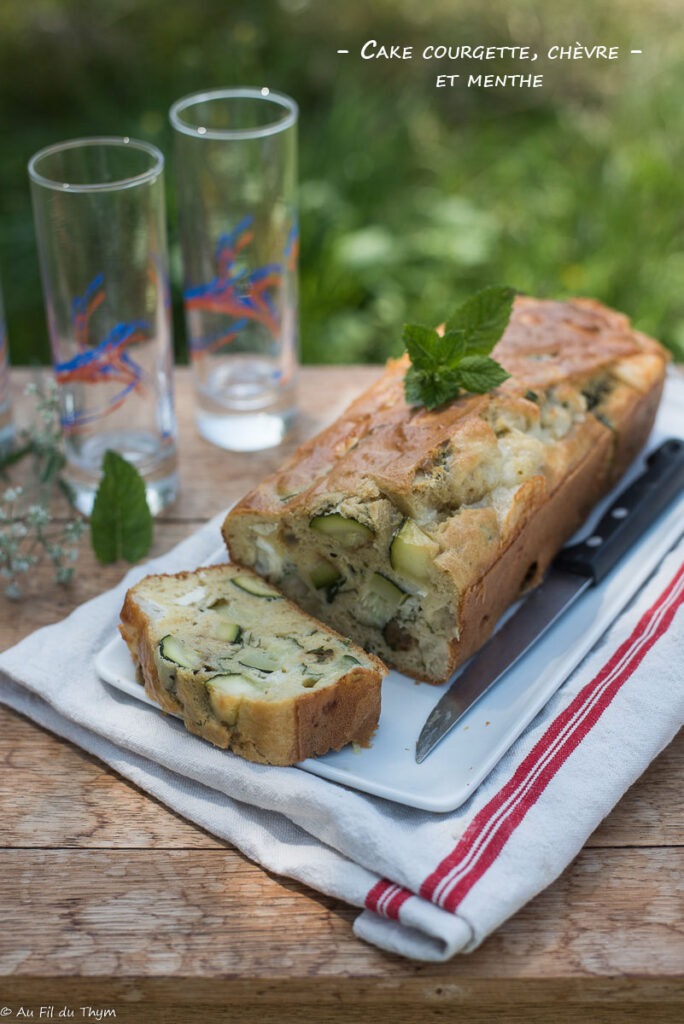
(489,831)
(386,898)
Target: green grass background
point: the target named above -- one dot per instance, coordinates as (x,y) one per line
(411,197)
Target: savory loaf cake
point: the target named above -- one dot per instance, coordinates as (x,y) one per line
(412,531)
(246,669)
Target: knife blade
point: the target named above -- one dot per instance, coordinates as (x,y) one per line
(575,569)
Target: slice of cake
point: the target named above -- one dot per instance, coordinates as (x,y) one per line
(248,670)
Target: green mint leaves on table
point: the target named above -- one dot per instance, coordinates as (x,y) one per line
(444,365)
(121,522)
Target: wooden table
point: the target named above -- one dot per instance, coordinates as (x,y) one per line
(110,901)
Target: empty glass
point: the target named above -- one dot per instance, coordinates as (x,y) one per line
(99,215)
(236,171)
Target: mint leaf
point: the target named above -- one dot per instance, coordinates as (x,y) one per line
(479,374)
(422,345)
(430,388)
(415,382)
(121,522)
(483,318)
(452,347)
(441,367)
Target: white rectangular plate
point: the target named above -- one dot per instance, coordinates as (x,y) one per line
(452,772)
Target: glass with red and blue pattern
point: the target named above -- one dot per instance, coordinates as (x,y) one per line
(6,425)
(236,174)
(100,222)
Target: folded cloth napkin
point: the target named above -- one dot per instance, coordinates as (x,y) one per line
(429,885)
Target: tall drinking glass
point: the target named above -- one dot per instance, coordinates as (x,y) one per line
(236,172)
(99,214)
(6,426)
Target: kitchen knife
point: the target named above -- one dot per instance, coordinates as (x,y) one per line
(574,569)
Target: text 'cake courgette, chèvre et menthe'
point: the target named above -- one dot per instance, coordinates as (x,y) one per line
(411,531)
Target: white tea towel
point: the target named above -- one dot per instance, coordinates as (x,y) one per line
(429,885)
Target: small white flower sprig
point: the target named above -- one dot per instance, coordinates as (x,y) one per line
(29,531)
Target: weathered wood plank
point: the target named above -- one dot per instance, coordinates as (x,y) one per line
(65,797)
(54,795)
(146,1002)
(209,914)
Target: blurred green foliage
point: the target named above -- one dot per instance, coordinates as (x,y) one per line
(411,197)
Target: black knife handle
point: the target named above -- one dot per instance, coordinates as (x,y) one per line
(629,516)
